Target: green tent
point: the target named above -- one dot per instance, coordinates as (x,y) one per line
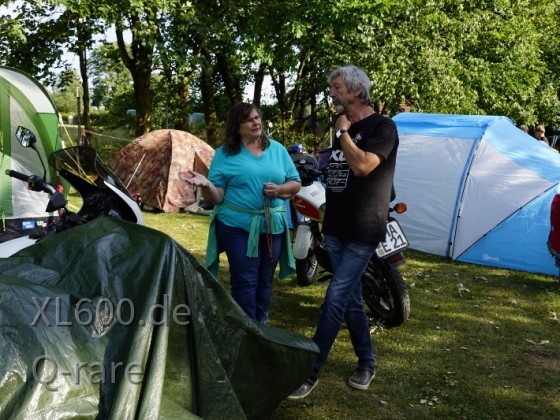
(24,102)
(116,320)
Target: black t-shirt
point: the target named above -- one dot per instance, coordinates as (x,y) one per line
(357,207)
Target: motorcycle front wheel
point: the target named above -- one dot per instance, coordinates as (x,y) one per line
(385,294)
(306,269)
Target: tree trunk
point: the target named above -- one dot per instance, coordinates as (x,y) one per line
(180,106)
(259,80)
(143,100)
(86,135)
(140,67)
(207,93)
(279,83)
(231,83)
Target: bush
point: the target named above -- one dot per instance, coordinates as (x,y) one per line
(118,110)
(100,118)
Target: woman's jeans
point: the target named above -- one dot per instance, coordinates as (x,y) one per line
(343,301)
(250,277)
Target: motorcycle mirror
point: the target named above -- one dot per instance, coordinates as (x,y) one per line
(400,207)
(25,137)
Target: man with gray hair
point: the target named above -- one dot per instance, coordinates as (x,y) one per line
(359,188)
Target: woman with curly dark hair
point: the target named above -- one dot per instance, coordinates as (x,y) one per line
(250,177)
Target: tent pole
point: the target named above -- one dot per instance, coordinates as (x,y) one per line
(136,170)
(78,115)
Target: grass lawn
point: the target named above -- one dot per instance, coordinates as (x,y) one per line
(480,343)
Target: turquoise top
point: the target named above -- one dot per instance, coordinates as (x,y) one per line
(242,176)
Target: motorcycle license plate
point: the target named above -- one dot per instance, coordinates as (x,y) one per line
(394,242)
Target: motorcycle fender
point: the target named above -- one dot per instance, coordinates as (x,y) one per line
(8,248)
(129,202)
(302,243)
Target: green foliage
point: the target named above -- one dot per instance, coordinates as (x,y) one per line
(101,118)
(311,142)
(112,87)
(121,111)
(448,56)
(110,78)
(32,40)
(64,97)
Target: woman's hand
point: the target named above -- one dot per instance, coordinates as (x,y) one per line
(194,178)
(285,191)
(209,191)
(271,190)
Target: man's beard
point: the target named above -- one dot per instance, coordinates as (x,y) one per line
(339,107)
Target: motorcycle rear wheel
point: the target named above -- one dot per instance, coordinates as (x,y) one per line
(306,269)
(385,293)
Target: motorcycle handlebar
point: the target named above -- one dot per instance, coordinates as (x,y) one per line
(34,182)
(306,170)
(308,175)
(17,175)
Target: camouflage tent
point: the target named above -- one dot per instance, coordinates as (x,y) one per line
(149,166)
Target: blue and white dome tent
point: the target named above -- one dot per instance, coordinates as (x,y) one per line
(478,190)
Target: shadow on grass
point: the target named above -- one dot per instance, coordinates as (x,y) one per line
(480,343)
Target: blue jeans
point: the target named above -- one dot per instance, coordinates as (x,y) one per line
(250,277)
(343,301)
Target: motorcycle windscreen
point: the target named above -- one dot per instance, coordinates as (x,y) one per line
(84,163)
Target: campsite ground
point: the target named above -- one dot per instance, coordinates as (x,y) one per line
(480,342)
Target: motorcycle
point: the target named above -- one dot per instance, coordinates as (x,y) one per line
(102,193)
(384,290)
